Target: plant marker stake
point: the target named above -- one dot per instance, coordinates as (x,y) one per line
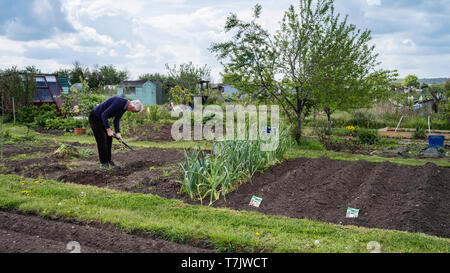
(429,125)
(400,122)
(352,213)
(256,201)
(14,110)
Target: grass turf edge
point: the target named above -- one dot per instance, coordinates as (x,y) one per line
(224,229)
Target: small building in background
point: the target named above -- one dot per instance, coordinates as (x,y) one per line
(48,90)
(148,92)
(64,84)
(229,90)
(77,86)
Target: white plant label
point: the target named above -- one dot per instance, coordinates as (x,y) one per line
(75,247)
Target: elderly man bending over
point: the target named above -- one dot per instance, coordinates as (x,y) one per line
(113,107)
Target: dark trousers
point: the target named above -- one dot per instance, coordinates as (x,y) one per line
(104,142)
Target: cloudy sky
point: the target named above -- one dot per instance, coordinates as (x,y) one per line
(412,36)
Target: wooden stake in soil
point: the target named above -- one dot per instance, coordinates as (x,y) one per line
(1,130)
(14,110)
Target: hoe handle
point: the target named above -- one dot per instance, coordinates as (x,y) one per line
(123,142)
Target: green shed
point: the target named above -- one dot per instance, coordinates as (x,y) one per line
(64,84)
(148,92)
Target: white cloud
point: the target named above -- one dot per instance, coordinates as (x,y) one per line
(374,2)
(41,8)
(11,47)
(169,1)
(144,35)
(204,19)
(98,8)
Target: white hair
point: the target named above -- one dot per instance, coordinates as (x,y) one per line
(137,105)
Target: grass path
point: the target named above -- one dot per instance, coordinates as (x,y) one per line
(292,154)
(223,229)
(297,153)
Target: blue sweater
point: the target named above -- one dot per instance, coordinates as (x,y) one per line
(113,107)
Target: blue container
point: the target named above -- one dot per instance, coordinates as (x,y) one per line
(436,141)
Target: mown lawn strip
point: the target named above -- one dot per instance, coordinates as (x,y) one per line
(225,229)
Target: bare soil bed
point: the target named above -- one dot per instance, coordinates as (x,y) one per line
(157,133)
(10,150)
(31,234)
(350,146)
(55,132)
(389,196)
(153,133)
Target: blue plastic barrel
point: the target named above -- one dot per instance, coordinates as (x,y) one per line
(436,141)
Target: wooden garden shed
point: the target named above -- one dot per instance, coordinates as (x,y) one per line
(148,92)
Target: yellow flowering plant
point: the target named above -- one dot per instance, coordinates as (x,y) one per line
(26,193)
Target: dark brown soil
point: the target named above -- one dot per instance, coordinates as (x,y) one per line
(389,196)
(54,132)
(10,150)
(349,145)
(153,133)
(134,172)
(31,234)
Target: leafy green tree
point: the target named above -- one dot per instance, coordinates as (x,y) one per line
(19,85)
(179,95)
(437,92)
(32,70)
(313,55)
(154,77)
(446,107)
(97,77)
(78,72)
(163,79)
(411,81)
(86,100)
(63,73)
(109,75)
(346,77)
(188,76)
(447,85)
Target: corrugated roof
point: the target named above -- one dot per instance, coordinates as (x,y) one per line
(133,83)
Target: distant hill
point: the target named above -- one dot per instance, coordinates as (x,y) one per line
(434,80)
(429,81)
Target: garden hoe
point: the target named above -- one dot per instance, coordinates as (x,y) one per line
(123,142)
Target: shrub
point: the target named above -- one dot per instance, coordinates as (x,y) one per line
(8,118)
(27,114)
(367,137)
(150,115)
(67,124)
(179,95)
(310,144)
(45,113)
(53,123)
(420,133)
(362,119)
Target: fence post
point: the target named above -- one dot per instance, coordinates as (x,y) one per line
(14,110)
(429,125)
(399,123)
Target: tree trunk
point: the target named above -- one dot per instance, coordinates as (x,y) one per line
(298,133)
(328,112)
